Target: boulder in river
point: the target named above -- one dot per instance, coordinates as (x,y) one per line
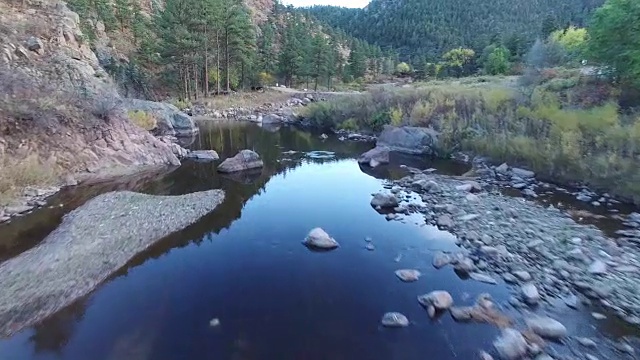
(376,156)
(530,293)
(439,299)
(93,242)
(546,327)
(394,320)
(510,345)
(244,160)
(319,239)
(411,140)
(408,275)
(204,155)
(383,200)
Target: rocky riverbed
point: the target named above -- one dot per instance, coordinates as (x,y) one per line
(92,242)
(543,255)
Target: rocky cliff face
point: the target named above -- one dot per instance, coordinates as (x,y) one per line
(55,99)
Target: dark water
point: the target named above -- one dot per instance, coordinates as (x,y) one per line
(244,264)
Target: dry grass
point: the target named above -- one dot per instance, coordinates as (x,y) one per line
(17,174)
(246,99)
(544,128)
(142,119)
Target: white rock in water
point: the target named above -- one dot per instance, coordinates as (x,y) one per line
(546,327)
(522,275)
(530,293)
(483,278)
(408,275)
(440,299)
(511,345)
(395,320)
(214,322)
(598,267)
(384,200)
(318,238)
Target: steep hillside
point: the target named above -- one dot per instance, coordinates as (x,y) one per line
(59,112)
(431,27)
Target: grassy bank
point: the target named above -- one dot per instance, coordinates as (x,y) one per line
(564,127)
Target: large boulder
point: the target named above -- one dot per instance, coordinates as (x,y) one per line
(244,160)
(272,119)
(374,157)
(171,121)
(411,140)
(319,239)
(203,155)
(384,200)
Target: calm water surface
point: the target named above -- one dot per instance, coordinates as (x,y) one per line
(244,264)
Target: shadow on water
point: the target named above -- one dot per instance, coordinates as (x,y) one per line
(244,264)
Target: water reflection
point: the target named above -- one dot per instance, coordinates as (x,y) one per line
(244,264)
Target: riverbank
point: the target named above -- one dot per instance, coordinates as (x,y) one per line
(114,226)
(573,134)
(550,263)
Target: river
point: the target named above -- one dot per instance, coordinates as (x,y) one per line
(244,266)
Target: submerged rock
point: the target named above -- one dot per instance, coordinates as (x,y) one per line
(319,239)
(408,275)
(441,260)
(384,200)
(510,345)
(244,160)
(394,320)
(93,242)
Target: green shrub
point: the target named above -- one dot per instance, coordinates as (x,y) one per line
(349,125)
(540,130)
(396,116)
(142,119)
(181,104)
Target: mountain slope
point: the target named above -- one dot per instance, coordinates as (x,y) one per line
(428,28)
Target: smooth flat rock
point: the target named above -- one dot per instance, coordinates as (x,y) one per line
(319,239)
(510,345)
(394,320)
(376,156)
(92,243)
(204,155)
(439,299)
(408,275)
(546,327)
(483,278)
(384,200)
(530,293)
(244,160)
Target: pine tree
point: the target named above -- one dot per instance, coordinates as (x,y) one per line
(123,12)
(238,37)
(320,59)
(105,14)
(357,61)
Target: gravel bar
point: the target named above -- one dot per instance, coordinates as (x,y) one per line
(92,243)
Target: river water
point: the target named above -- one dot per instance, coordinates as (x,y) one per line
(245,266)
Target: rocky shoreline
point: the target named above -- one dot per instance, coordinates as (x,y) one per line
(540,253)
(92,242)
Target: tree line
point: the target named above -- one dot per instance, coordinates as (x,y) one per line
(208,47)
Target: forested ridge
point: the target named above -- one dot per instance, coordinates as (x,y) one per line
(198,47)
(421,29)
